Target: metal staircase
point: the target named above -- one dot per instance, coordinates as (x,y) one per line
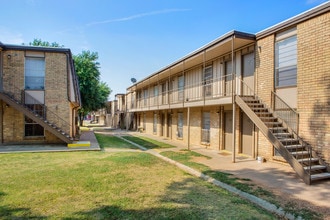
(299,154)
(56,126)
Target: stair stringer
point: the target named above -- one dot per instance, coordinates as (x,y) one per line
(298,168)
(19,107)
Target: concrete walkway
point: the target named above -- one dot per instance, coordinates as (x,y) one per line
(32,148)
(276,177)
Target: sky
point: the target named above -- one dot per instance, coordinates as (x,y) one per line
(136,38)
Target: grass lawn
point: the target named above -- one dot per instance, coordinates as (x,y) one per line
(148,142)
(110,141)
(101,185)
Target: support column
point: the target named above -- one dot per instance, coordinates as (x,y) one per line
(188,124)
(233,63)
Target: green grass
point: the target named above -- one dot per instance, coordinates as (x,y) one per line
(101,185)
(187,157)
(110,141)
(148,142)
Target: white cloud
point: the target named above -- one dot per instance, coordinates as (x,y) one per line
(10,37)
(132,17)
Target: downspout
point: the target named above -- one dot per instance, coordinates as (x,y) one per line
(233,100)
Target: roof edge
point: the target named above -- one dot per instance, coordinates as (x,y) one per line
(34,48)
(227,35)
(313,12)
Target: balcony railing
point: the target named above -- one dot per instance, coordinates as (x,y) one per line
(199,91)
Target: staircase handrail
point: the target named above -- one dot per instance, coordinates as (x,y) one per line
(48,114)
(307,146)
(19,96)
(294,126)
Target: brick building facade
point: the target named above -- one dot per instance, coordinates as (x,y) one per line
(39,95)
(260,94)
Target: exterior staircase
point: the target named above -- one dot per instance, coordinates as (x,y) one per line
(55,127)
(299,154)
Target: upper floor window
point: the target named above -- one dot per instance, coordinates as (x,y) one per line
(180,87)
(286,59)
(35,73)
(208,76)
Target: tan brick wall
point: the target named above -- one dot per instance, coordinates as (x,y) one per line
(55,94)
(265,84)
(314,82)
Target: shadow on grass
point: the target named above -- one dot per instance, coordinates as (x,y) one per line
(7,212)
(111,141)
(148,142)
(187,199)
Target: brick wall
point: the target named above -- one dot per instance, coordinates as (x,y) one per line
(314,82)
(55,95)
(264,85)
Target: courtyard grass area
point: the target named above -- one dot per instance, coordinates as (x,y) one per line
(110,141)
(148,142)
(101,185)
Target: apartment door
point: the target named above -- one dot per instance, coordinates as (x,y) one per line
(228,131)
(169,125)
(228,78)
(246,135)
(162,118)
(248,74)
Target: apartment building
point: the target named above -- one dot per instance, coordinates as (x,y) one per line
(262,95)
(39,95)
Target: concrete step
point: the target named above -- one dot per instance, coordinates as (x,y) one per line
(315,167)
(320,176)
(299,153)
(305,160)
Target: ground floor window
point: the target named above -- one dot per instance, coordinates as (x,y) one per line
(206,127)
(32,128)
(180,125)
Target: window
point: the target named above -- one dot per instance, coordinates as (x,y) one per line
(31,127)
(180,87)
(164,90)
(180,125)
(34,73)
(286,59)
(208,75)
(145,97)
(206,127)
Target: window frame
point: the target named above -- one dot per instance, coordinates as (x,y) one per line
(36,70)
(285,74)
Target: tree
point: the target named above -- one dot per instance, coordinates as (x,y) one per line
(94,93)
(39,42)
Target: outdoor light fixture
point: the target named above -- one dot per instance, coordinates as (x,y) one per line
(9,56)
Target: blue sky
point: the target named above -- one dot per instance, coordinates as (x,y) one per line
(135,38)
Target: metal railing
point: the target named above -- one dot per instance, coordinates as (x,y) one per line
(217,88)
(285,112)
(28,101)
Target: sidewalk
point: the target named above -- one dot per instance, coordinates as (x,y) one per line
(276,177)
(32,148)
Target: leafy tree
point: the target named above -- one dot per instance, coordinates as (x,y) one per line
(39,42)
(94,93)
